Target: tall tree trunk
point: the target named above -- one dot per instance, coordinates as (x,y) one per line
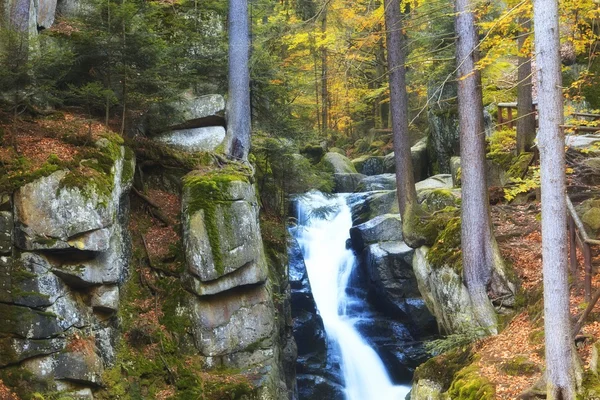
(526,117)
(238,121)
(476,235)
(324,72)
(562,367)
(407,195)
(382,108)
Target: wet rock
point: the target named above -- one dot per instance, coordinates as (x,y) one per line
(390,271)
(338,164)
(347,182)
(386,227)
(317,387)
(309,334)
(6,232)
(377,182)
(365,207)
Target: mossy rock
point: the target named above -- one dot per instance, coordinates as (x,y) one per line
(519,366)
(442,369)
(314,152)
(468,384)
(447,250)
(520,165)
(361,146)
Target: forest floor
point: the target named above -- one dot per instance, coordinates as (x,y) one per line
(513,361)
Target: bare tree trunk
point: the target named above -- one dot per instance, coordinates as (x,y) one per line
(239,120)
(526,117)
(324,72)
(476,235)
(563,372)
(407,195)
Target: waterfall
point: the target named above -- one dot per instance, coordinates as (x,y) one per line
(323,230)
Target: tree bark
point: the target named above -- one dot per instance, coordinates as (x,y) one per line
(562,367)
(407,195)
(476,234)
(324,73)
(239,119)
(526,117)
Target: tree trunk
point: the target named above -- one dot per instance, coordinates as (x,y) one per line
(476,235)
(562,368)
(526,117)
(407,195)
(238,121)
(324,88)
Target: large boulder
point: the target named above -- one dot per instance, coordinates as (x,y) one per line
(390,271)
(366,206)
(65,210)
(194,139)
(369,165)
(338,164)
(386,227)
(420,160)
(222,241)
(377,182)
(445,294)
(347,182)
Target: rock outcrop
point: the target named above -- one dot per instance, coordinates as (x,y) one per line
(64,253)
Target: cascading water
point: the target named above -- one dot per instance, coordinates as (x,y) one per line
(323,229)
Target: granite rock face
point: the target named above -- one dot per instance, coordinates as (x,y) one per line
(61,244)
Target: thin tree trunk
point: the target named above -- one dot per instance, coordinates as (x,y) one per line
(324,72)
(562,368)
(526,117)
(239,118)
(407,195)
(476,235)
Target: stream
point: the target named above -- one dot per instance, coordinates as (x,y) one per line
(323,231)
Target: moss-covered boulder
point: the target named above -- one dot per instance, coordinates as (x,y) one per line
(369,165)
(444,293)
(338,164)
(222,241)
(73,208)
(589,213)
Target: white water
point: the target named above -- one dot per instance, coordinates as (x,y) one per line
(329,266)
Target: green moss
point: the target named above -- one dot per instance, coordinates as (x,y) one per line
(590,387)
(519,165)
(446,250)
(151,151)
(518,366)
(206,191)
(441,369)
(128,166)
(468,384)
(23,383)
